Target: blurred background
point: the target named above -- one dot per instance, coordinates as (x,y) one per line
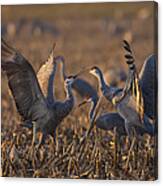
(85,34)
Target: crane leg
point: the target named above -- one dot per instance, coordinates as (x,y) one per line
(132,138)
(128,129)
(93,118)
(41,139)
(90,129)
(34,135)
(27,124)
(85,137)
(31,150)
(54,137)
(129,153)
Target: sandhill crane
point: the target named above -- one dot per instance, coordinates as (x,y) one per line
(108,121)
(30,101)
(82,87)
(128,101)
(45,77)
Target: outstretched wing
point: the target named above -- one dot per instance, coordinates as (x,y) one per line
(84,89)
(148,83)
(46,75)
(23,83)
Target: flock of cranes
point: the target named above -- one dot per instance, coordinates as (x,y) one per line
(35,101)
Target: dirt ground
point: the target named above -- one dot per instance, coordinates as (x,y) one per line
(86,35)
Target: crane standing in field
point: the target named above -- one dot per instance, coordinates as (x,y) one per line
(45,113)
(108,121)
(128,100)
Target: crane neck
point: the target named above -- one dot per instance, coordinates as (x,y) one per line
(92,110)
(68,90)
(101,80)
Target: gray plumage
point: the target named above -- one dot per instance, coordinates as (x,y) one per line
(148,84)
(108,91)
(109,121)
(30,101)
(128,101)
(46,75)
(82,87)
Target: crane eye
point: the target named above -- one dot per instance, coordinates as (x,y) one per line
(93,68)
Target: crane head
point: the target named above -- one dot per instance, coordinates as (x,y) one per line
(95,71)
(59,59)
(70,79)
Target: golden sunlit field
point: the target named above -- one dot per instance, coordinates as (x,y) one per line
(86,35)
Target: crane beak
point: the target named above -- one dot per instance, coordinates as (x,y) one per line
(75,76)
(84,102)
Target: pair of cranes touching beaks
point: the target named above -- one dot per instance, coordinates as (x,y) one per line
(35,101)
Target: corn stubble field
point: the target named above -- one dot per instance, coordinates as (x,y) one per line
(86,35)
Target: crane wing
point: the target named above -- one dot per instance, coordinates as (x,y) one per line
(148,84)
(84,89)
(23,83)
(46,75)
(108,121)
